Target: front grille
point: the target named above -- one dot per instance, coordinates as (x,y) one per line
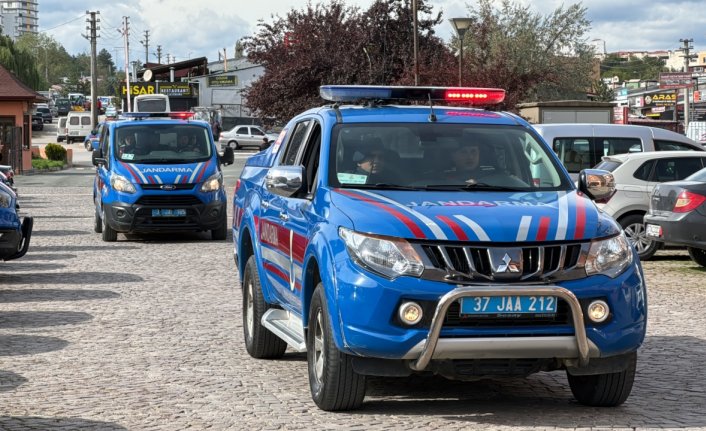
(169,201)
(474,263)
(161,186)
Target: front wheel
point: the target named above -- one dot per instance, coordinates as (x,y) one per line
(109,234)
(234,145)
(97,222)
(259,341)
(604,390)
(634,228)
(698,255)
(221,232)
(335,386)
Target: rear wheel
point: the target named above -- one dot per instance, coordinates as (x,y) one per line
(698,255)
(259,341)
(109,234)
(604,390)
(334,384)
(634,228)
(234,145)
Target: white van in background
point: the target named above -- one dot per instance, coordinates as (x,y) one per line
(151,103)
(61,129)
(78,126)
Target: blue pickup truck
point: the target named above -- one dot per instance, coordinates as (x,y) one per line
(388,238)
(159,173)
(15,231)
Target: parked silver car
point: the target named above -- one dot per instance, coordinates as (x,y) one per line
(636,176)
(246,136)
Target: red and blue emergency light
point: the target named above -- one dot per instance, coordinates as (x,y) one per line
(469,95)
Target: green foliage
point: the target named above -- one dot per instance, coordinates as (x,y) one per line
(647,68)
(46,164)
(603,92)
(19,62)
(55,152)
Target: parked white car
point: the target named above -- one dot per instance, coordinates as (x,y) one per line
(581,146)
(636,176)
(245,136)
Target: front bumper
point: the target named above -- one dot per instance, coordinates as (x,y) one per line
(128,218)
(15,243)
(367,306)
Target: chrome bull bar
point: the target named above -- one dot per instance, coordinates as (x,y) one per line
(430,344)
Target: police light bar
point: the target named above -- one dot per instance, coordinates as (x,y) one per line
(469,95)
(173,115)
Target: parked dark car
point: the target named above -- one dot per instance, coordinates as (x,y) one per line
(677,214)
(37,121)
(15,230)
(46,114)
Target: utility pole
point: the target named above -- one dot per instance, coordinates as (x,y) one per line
(159,54)
(126,37)
(415,43)
(94,79)
(146,44)
(687,59)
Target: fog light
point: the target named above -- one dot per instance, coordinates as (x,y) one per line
(598,311)
(410,313)
(120,213)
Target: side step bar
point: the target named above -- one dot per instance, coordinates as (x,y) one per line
(286,326)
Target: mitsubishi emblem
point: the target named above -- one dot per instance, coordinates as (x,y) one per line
(507,266)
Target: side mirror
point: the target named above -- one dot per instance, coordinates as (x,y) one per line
(228,156)
(97,158)
(597,184)
(285,180)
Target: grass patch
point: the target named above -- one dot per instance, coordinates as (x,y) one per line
(46,164)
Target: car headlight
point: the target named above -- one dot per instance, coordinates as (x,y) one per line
(390,257)
(5,200)
(213,183)
(121,184)
(609,257)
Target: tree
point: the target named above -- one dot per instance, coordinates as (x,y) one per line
(647,68)
(19,62)
(603,92)
(532,57)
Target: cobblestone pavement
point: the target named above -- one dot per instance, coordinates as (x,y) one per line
(145,334)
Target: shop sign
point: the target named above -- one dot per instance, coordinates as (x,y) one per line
(175,89)
(223,81)
(675,80)
(661,99)
(139,88)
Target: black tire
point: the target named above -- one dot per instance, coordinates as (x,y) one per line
(335,386)
(604,390)
(221,232)
(108,234)
(97,222)
(698,255)
(234,145)
(259,341)
(634,228)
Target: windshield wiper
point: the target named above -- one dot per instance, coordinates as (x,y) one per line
(470,186)
(381,186)
(165,161)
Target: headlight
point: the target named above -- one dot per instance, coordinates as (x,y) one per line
(213,183)
(5,200)
(121,184)
(609,257)
(390,257)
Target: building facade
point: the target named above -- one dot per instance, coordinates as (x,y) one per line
(19,17)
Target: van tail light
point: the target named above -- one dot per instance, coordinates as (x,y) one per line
(687,201)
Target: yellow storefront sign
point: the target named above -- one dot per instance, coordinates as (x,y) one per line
(140,88)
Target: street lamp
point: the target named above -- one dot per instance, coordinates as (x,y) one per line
(460,25)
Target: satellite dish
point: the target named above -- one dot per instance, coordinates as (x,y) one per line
(147,75)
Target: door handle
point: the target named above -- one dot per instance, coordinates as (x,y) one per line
(283,216)
(265,204)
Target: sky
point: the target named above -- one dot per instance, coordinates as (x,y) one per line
(189,29)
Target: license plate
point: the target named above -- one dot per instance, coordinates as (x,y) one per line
(168,213)
(73,133)
(508,305)
(653,230)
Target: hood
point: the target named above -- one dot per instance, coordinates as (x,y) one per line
(186,173)
(464,216)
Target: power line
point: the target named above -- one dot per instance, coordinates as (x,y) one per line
(60,25)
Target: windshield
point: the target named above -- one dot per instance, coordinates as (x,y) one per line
(438,156)
(162,143)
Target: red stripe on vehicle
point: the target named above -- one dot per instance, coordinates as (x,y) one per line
(299,244)
(298,285)
(203,171)
(150,179)
(132,172)
(455,227)
(416,231)
(580,218)
(543,228)
(278,272)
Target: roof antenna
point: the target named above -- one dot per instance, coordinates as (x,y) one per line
(432,116)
